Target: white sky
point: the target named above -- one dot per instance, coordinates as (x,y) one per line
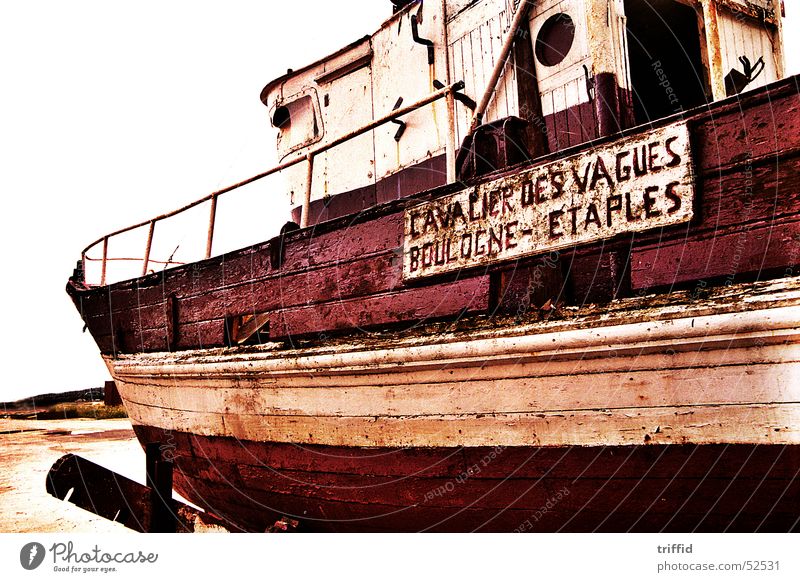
(112,112)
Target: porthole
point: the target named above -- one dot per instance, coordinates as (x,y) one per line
(555,39)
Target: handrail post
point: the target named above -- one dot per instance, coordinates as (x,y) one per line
(450,148)
(105,259)
(147,248)
(212,219)
(307,196)
(450,152)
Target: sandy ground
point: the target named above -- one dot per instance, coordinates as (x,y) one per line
(28,448)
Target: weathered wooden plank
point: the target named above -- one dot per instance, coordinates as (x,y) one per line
(408,306)
(765,190)
(154,340)
(118,298)
(598,277)
(677,510)
(631,462)
(636,388)
(341,280)
(189,279)
(530,285)
(735,255)
(349,242)
(201,334)
(134,340)
(561,117)
(700,424)
(588,121)
(131,321)
(468,488)
(748,132)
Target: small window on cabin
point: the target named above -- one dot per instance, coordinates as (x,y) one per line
(297,123)
(555,39)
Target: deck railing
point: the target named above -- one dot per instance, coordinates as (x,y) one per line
(308,158)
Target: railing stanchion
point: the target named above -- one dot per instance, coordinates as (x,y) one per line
(307,196)
(147,248)
(105,260)
(450,152)
(211,221)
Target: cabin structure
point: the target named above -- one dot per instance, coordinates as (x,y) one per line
(576,71)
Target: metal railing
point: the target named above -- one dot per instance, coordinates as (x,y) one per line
(308,158)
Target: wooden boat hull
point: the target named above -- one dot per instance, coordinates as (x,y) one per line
(638,488)
(672,418)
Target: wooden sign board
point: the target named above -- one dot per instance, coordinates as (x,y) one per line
(634,184)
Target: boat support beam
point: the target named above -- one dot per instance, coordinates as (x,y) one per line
(115,497)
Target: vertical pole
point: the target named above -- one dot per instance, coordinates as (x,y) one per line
(307,197)
(159,480)
(711,25)
(777,40)
(450,152)
(212,219)
(147,248)
(105,259)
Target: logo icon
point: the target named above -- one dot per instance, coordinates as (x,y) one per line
(31,555)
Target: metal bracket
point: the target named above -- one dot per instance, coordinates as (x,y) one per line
(460,97)
(589,83)
(427,42)
(402,129)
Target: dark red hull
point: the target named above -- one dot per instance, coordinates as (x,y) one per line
(661,488)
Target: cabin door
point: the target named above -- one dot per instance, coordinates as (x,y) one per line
(666,61)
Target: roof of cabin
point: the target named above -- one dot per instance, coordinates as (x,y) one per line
(291,73)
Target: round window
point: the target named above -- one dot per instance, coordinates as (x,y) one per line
(555,39)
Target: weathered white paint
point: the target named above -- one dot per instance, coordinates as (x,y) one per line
(743,37)
(678,374)
(467,39)
(476,35)
(564,85)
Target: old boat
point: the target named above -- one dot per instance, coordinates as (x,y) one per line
(542,276)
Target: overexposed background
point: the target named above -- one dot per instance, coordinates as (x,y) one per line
(113,112)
